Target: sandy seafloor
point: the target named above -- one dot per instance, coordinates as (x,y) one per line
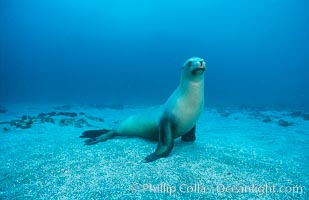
(234,157)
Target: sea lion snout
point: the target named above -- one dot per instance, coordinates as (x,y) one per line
(200,66)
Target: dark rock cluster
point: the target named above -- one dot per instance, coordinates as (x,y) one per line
(225,114)
(67,114)
(26,122)
(285,123)
(48,115)
(296,114)
(263,117)
(303,115)
(280,122)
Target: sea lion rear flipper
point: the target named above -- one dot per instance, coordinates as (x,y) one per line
(104,135)
(190,136)
(91,141)
(165,144)
(93,133)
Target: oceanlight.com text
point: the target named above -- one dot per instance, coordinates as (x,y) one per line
(219,188)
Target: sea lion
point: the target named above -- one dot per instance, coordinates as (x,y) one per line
(176,117)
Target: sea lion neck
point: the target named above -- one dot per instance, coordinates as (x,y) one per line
(191,83)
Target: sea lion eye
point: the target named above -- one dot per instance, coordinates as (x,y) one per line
(189,63)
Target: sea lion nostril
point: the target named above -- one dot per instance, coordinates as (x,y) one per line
(201,62)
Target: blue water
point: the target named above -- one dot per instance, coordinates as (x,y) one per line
(77,56)
(131,52)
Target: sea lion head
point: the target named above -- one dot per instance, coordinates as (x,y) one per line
(194,69)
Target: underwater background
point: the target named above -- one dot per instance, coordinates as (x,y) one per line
(69,66)
(131,52)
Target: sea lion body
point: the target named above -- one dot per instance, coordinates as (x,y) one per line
(176,117)
(143,125)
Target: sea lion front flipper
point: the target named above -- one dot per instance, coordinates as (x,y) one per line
(165,144)
(190,136)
